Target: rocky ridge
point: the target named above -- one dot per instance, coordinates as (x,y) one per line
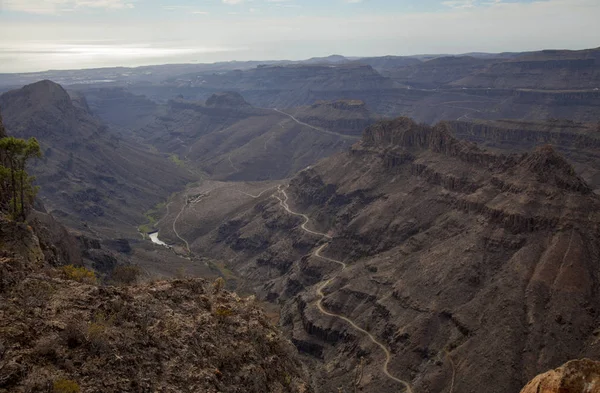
(578,142)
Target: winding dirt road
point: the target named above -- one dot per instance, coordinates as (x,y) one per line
(256,196)
(323,285)
(304,216)
(198,199)
(315,128)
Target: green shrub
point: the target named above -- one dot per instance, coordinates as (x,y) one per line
(80,274)
(65,386)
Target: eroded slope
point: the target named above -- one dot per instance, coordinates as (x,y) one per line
(470,266)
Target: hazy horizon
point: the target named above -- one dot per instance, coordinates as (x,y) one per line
(41,35)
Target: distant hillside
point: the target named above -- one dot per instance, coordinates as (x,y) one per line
(88,173)
(230,139)
(548,70)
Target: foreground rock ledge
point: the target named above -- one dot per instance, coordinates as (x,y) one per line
(576,376)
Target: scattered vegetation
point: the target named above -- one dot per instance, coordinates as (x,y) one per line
(219,284)
(91,339)
(152,215)
(79,274)
(145,229)
(65,386)
(176,160)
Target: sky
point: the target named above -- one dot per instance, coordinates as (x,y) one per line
(38,35)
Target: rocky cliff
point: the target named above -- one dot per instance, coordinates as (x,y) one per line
(579,142)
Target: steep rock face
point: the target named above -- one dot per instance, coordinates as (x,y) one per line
(579,142)
(470,266)
(577,376)
(58,245)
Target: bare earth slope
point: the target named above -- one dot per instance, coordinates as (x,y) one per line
(476,270)
(231,140)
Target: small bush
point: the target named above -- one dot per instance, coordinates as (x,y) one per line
(95,331)
(218,284)
(45,348)
(65,386)
(125,275)
(223,312)
(80,274)
(96,337)
(74,334)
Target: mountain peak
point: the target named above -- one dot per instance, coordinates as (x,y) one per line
(550,166)
(47,90)
(44,95)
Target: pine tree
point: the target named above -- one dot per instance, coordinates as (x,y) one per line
(16,185)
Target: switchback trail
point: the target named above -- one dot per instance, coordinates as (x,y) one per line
(304,216)
(321,287)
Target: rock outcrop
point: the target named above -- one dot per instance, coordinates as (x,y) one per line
(227,100)
(579,142)
(576,376)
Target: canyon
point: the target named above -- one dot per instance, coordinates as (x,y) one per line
(410,224)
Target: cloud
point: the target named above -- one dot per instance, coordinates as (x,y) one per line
(459,3)
(58,6)
(232,2)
